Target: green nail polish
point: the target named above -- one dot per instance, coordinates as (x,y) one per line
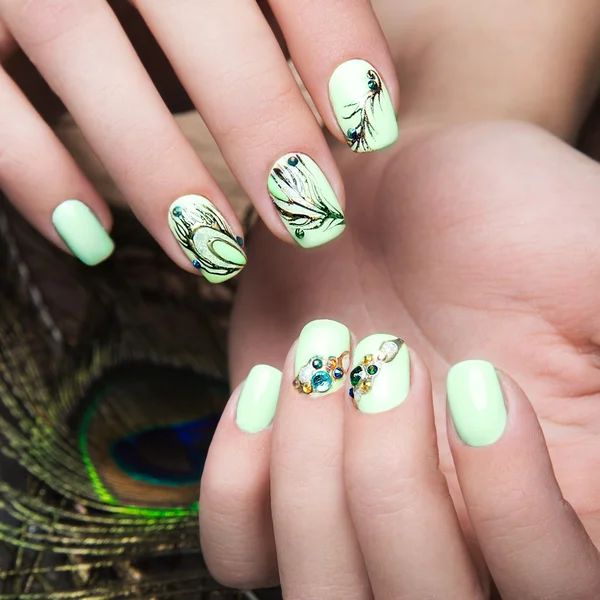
(321,343)
(305,201)
(82,232)
(258,399)
(363,106)
(380,375)
(476,402)
(206,238)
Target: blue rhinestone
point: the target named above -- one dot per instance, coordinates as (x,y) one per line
(239,240)
(196,264)
(352,134)
(338,373)
(317,363)
(372,369)
(351,393)
(293,161)
(372,84)
(177,211)
(321,381)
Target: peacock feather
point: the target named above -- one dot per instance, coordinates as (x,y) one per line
(112,381)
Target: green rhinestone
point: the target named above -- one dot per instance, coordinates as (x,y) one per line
(372,369)
(317,363)
(300,233)
(356,375)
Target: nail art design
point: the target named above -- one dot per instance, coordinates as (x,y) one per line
(206,238)
(363,106)
(363,375)
(319,374)
(305,201)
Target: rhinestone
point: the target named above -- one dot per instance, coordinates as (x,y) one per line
(367,359)
(307,388)
(390,348)
(299,233)
(372,369)
(321,381)
(356,376)
(305,374)
(293,161)
(196,264)
(338,373)
(177,211)
(317,363)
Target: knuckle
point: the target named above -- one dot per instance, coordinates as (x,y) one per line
(41,22)
(258,111)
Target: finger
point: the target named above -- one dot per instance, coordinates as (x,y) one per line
(236,529)
(237,76)
(532,540)
(43,182)
(344,45)
(7,43)
(317,550)
(81,50)
(403,514)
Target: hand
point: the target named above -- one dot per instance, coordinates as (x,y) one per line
(479,242)
(231,64)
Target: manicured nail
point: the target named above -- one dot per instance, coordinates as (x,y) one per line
(362,106)
(306,203)
(258,399)
(380,378)
(476,402)
(322,357)
(206,238)
(82,232)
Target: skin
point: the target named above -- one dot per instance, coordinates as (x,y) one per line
(476,237)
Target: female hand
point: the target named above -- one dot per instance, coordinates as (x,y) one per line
(231,64)
(340,498)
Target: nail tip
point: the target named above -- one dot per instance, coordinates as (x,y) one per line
(206,238)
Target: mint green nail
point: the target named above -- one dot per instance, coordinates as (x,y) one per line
(363,107)
(206,238)
(305,200)
(380,375)
(258,399)
(82,232)
(476,402)
(319,342)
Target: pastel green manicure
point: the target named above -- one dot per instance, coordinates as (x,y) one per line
(380,373)
(476,402)
(258,399)
(363,107)
(82,232)
(206,238)
(319,342)
(305,200)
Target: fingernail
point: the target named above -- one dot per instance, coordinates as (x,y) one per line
(258,399)
(322,357)
(206,238)
(305,201)
(362,106)
(476,402)
(82,232)
(380,377)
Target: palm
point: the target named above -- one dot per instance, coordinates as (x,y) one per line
(481,241)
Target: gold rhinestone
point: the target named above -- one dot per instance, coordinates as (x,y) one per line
(297,385)
(307,388)
(367,359)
